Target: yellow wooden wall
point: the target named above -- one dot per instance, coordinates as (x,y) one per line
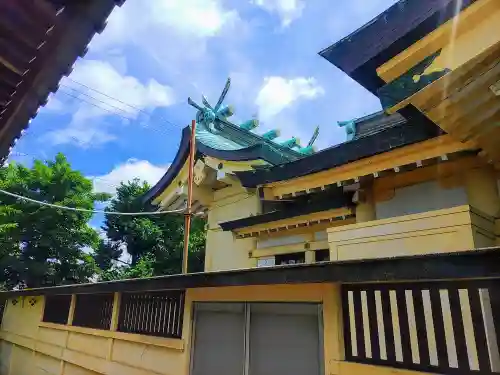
(30,347)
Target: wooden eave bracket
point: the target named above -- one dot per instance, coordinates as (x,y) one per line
(295,222)
(374,166)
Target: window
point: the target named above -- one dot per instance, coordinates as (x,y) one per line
(56,309)
(93,310)
(153,313)
(294,258)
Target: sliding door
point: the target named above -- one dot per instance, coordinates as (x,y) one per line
(257,339)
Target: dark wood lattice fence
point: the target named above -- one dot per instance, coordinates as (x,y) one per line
(93,310)
(153,313)
(56,309)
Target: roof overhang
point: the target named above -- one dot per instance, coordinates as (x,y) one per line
(390,33)
(436,150)
(335,199)
(253,156)
(342,155)
(450,74)
(39,43)
(478,263)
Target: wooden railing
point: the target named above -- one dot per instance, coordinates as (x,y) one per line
(145,313)
(438,327)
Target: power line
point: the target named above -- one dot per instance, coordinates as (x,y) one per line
(88,210)
(113,98)
(95,105)
(94,98)
(106,95)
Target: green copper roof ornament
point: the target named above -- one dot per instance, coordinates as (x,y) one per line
(350,128)
(309,149)
(271,134)
(215,130)
(211,117)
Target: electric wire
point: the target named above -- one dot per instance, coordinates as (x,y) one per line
(96,99)
(95,105)
(78,209)
(115,99)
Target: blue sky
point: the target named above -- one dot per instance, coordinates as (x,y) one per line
(154,54)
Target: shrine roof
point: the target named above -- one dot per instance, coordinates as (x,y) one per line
(360,53)
(39,42)
(218,137)
(402,133)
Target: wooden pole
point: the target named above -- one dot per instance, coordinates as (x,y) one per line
(188,214)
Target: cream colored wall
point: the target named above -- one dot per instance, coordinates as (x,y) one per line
(448,230)
(223,250)
(31,347)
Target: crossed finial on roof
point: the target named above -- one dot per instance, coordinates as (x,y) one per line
(209,116)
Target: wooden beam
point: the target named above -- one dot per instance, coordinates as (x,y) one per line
(429,149)
(297,220)
(227,178)
(447,68)
(9,66)
(311,229)
(442,36)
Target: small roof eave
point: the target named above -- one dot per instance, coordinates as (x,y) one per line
(341,200)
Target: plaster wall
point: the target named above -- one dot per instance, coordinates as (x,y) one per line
(453,229)
(423,197)
(223,250)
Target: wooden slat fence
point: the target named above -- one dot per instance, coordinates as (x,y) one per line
(153,313)
(93,310)
(439,327)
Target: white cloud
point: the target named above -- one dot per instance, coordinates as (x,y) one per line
(186,18)
(202,18)
(105,92)
(288,10)
(127,171)
(278,93)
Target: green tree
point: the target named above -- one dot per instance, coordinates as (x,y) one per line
(155,243)
(106,253)
(42,245)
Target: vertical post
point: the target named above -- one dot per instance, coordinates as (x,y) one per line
(188,214)
(116,311)
(71,313)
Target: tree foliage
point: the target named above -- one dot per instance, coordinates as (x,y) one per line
(42,245)
(154,243)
